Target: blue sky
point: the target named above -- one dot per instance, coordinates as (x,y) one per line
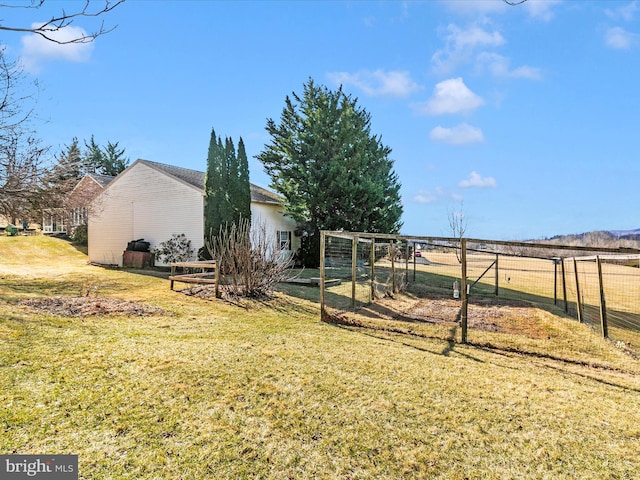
(523,117)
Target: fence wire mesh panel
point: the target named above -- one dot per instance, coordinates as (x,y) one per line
(613,309)
(507,285)
(359,269)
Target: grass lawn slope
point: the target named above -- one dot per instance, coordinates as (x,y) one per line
(192,388)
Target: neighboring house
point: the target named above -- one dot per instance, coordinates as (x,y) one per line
(76,206)
(153,201)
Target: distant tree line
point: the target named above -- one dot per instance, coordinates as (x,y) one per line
(600,238)
(73,163)
(29,182)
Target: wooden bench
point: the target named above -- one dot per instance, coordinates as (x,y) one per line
(198,277)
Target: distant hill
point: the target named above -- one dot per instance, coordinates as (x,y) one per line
(625,233)
(600,238)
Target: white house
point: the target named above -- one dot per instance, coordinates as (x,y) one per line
(153,201)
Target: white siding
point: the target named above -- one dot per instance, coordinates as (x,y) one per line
(143,203)
(274,221)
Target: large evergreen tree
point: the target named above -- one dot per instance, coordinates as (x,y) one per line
(63,176)
(332,171)
(105,161)
(93,157)
(113,160)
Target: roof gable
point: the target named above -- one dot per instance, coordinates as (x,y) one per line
(196,179)
(101,180)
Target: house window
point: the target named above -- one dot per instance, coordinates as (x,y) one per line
(79,216)
(53,221)
(284,240)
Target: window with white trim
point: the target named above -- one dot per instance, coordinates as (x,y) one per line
(284,240)
(79,216)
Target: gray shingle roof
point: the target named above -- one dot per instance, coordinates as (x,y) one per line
(196,178)
(102,180)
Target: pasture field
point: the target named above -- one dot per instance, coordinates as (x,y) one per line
(189,388)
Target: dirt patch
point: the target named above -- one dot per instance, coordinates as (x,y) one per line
(91,306)
(488,315)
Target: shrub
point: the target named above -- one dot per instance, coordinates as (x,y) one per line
(249,260)
(80,235)
(176,249)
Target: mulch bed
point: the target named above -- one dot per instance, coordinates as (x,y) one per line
(91,306)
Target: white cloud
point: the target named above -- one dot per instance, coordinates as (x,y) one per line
(427,196)
(620,39)
(472,37)
(460,44)
(451,96)
(424,196)
(499,66)
(36,50)
(541,9)
(378,82)
(626,13)
(462,134)
(475,180)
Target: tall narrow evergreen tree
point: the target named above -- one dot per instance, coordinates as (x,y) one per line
(227,189)
(242,201)
(212,187)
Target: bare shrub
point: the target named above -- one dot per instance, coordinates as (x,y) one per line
(249,260)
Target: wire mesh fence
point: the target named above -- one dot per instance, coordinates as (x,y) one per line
(471,280)
(606,289)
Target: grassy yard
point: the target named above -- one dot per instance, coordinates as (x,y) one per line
(208,389)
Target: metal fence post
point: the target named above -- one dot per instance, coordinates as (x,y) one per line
(603,303)
(496,278)
(578,299)
(393,266)
(465,298)
(323,312)
(372,261)
(564,288)
(354,270)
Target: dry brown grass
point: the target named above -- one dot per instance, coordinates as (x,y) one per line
(265,390)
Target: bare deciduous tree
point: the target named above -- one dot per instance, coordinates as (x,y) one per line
(48,29)
(21,154)
(458,226)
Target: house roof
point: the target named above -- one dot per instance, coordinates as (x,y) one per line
(102,180)
(196,179)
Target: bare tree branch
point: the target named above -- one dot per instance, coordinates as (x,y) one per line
(458,225)
(49,28)
(21,155)
(514,2)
